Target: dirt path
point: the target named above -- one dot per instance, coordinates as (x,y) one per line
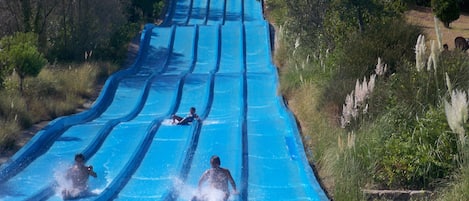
(26,135)
(423,17)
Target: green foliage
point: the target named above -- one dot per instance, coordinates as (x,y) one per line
(27,59)
(158,7)
(426,3)
(404,140)
(304,22)
(416,152)
(392,41)
(22,55)
(117,47)
(277,11)
(456,64)
(446,10)
(145,11)
(344,18)
(348,187)
(458,189)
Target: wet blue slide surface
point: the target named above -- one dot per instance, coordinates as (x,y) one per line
(210,54)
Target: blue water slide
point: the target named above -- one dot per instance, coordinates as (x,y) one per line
(216,13)
(182,12)
(214,55)
(199,13)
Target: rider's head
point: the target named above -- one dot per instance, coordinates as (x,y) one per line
(215,161)
(80,158)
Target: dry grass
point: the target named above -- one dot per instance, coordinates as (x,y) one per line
(423,17)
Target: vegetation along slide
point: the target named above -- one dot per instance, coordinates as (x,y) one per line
(213,55)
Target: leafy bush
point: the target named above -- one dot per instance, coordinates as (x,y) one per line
(117,47)
(417,152)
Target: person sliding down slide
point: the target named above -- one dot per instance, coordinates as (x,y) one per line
(186,120)
(218,179)
(78,174)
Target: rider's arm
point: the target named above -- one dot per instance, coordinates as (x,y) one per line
(203,178)
(233,184)
(91,172)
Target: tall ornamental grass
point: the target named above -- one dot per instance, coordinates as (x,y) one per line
(58,90)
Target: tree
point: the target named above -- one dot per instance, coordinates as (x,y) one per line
(158,7)
(446,10)
(21,54)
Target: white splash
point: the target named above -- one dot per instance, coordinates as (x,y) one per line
(191,192)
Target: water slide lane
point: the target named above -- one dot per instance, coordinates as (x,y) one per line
(258,57)
(234,12)
(199,12)
(221,134)
(232,51)
(216,14)
(273,147)
(156,54)
(208,48)
(253,11)
(183,51)
(182,12)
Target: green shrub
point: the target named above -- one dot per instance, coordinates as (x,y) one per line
(393,42)
(416,152)
(457,190)
(446,10)
(116,48)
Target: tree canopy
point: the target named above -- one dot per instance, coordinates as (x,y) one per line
(446,10)
(20,53)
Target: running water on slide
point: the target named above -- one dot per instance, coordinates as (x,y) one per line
(213,55)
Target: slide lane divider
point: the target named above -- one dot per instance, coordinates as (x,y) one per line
(43,140)
(191,6)
(242,15)
(207,11)
(171,45)
(217,66)
(48,191)
(169,13)
(245,147)
(224,12)
(195,52)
